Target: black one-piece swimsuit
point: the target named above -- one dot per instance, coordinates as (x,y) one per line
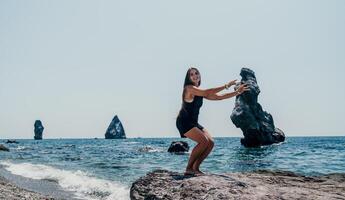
(188,116)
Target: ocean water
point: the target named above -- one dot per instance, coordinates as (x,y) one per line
(105,169)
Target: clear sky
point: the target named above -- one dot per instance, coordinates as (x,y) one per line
(76,64)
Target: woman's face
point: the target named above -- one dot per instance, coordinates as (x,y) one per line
(194,76)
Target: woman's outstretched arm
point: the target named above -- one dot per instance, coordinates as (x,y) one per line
(242,88)
(218,89)
(208,92)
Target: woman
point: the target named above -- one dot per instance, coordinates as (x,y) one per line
(187,120)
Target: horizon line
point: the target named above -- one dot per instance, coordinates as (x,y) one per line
(293,136)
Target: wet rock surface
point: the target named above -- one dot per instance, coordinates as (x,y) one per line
(264,185)
(256,124)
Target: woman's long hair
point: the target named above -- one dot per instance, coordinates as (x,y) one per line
(187,80)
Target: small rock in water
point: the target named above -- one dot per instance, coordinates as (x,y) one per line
(11,142)
(257,125)
(3,148)
(178,147)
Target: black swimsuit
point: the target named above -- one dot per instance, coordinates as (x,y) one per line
(188,116)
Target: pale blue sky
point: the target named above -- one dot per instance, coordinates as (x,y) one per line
(75,64)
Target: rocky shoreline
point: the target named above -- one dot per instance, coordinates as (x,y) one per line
(10,191)
(264,185)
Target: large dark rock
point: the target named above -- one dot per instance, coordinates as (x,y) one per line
(38,130)
(178,147)
(264,185)
(115,130)
(257,125)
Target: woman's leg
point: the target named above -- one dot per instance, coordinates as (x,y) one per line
(196,135)
(201,158)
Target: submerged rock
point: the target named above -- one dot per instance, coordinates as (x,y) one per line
(38,130)
(115,130)
(3,148)
(264,185)
(257,125)
(178,147)
(11,142)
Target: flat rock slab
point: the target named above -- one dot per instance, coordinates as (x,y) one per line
(163,184)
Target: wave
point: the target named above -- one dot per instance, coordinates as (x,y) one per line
(149,149)
(81,183)
(21,148)
(131,142)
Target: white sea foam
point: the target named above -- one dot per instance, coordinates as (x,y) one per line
(150,149)
(81,183)
(20,148)
(131,142)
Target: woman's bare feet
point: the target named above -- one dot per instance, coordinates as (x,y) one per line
(198,172)
(189,172)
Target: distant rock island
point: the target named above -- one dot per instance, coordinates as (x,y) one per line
(257,125)
(264,185)
(115,130)
(38,130)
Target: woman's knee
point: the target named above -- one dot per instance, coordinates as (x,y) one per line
(204,141)
(210,142)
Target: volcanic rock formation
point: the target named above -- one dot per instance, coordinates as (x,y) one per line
(257,125)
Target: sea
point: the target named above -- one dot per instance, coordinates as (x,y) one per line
(105,169)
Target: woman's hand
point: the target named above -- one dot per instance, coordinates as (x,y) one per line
(242,88)
(231,83)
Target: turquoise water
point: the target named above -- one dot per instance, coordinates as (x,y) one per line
(107,167)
